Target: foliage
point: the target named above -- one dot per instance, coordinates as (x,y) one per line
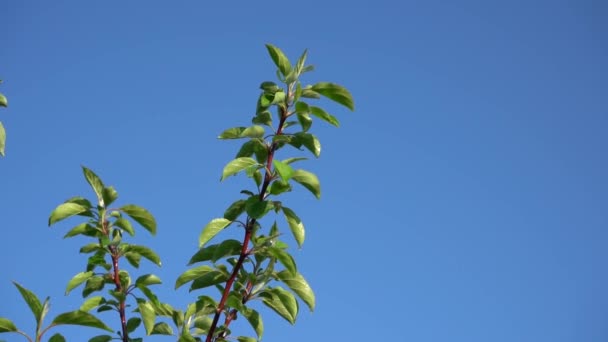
(259,267)
(3,103)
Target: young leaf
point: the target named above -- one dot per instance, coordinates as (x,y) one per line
(92,303)
(214,277)
(83,228)
(285,258)
(57,338)
(80,318)
(148,315)
(109,195)
(279,59)
(3,101)
(255,319)
(7,325)
(211,230)
(285,171)
(295,224)
(235,210)
(2,139)
(96,184)
(237,165)
(125,225)
(305,121)
(32,301)
(162,328)
(195,273)
(336,93)
(299,285)
(282,302)
(144,252)
(245,339)
(309,180)
(147,280)
(227,248)
(300,64)
(77,280)
(254,131)
(133,323)
(323,115)
(64,211)
(141,216)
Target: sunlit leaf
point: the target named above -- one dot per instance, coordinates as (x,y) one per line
(285,258)
(161,328)
(309,180)
(254,131)
(212,229)
(336,93)
(279,59)
(295,224)
(7,325)
(299,285)
(141,216)
(77,280)
(284,170)
(32,301)
(323,115)
(147,280)
(80,318)
(237,165)
(64,211)
(92,303)
(95,183)
(144,252)
(282,302)
(2,139)
(146,310)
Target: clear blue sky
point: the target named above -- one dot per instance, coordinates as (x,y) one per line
(466,199)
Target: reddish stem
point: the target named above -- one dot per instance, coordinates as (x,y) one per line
(116,279)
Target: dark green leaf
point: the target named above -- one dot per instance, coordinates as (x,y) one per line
(3,101)
(147,280)
(64,211)
(162,328)
(133,323)
(254,131)
(336,93)
(133,259)
(299,285)
(57,338)
(295,224)
(308,140)
(146,310)
(32,301)
(285,171)
(211,230)
(101,338)
(237,165)
(262,118)
(109,195)
(84,229)
(77,280)
(144,252)
(235,210)
(279,59)
(307,92)
(323,115)
(7,325)
(245,339)
(270,87)
(309,180)
(285,258)
(278,187)
(227,248)
(305,121)
(256,208)
(93,284)
(80,318)
(96,184)
(282,302)
(141,216)
(210,273)
(214,277)
(302,108)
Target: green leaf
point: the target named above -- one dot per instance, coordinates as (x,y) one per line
(299,285)
(285,171)
(235,210)
(2,139)
(215,277)
(57,338)
(141,216)
(101,338)
(147,280)
(64,211)
(295,224)
(195,273)
(336,93)
(125,225)
(308,140)
(323,115)
(279,59)
(77,280)
(282,302)
(96,184)
(92,303)
(270,87)
(263,118)
(212,229)
(32,301)
(302,108)
(93,284)
(254,131)
(162,328)
(133,259)
(300,63)
(307,92)
(133,323)
(84,229)
(305,121)
(3,101)
(309,180)
(7,325)
(246,339)
(285,258)
(146,310)
(278,187)
(256,208)
(237,165)
(109,195)
(227,248)
(255,319)
(80,318)
(144,252)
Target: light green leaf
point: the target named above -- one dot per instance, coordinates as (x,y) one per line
(162,328)
(227,248)
(80,318)
(295,224)
(57,338)
(309,180)
(336,93)
(144,252)
(208,275)
(146,310)
(133,323)
(300,63)
(64,211)
(83,228)
(93,284)
(278,187)
(92,303)
(7,325)
(279,59)
(77,280)
(2,139)
(32,301)
(147,280)
(215,277)
(95,183)
(254,131)
(109,195)
(125,225)
(299,285)
(235,210)
(308,140)
(212,229)
(323,115)
(237,165)
(282,302)
(305,121)
(285,171)
(3,101)
(255,319)
(141,216)
(246,339)
(285,258)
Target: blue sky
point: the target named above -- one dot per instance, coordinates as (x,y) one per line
(464,200)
